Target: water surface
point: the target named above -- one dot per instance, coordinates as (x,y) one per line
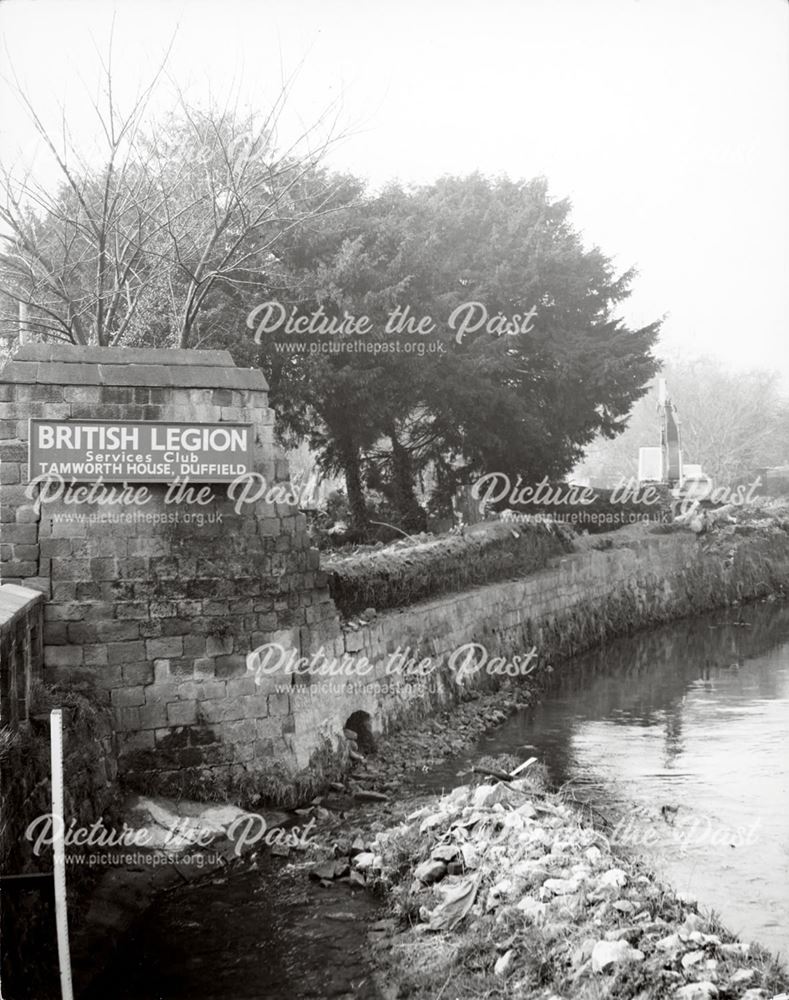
(685,728)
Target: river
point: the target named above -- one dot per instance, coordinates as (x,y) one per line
(680,731)
(684,730)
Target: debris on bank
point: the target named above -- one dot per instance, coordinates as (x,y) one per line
(764,514)
(501,890)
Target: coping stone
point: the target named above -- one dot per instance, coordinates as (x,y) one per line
(75,353)
(60,364)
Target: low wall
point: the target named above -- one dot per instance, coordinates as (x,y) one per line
(90,773)
(575,604)
(21,650)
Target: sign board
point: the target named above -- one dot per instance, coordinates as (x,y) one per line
(147,451)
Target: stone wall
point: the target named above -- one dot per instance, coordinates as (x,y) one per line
(90,771)
(159,607)
(21,650)
(578,602)
(160,613)
(28,964)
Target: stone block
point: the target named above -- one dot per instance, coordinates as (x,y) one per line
(20,372)
(239,687)
(137,375)
(140,672)
(217,645)
(63,656)
(230,666)
(87,394)
(125,652)
(212,607)
(220,710)
(80,633)
(13,451)
(162,609)
(182,713)
(55,547)
(55,634)
(242,731)
(59,374)
(188,690)
(269,728)
(10,473)
(161,671)
(264,749)
(24,552)
(189,609)
(95,655)
(134,610)
(176,626)
(68,529)
(244,752)
(98,611)
(106,567)
(15,568)
(71,569)
(23,534)
(279,704)
(255,706)
(117,631)
(127,719)
(211,690)
(150,629)
(127,697)
(164,648)
(181,667)
(194,645)
(204,667)
(64,591)
(153,715)
(137,739)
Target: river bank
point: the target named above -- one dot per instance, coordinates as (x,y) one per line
(503,890)
(314,907)
(349,825)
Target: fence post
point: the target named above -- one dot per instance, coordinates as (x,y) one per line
(59,827)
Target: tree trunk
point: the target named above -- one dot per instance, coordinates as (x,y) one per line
(403,495)
(353,483)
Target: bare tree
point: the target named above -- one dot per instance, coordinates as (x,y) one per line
(174,211)
(731,423)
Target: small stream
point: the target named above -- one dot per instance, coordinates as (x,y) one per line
(682,730)
(685,730)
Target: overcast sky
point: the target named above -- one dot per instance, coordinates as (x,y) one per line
(666,122)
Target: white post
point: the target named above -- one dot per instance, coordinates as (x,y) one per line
(24,328)
(58,822)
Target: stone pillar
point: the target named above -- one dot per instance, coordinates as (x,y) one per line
(159,605)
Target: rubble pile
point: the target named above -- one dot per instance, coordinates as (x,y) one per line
(502,890)
(760,514)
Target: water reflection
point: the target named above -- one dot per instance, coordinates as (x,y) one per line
(686,728)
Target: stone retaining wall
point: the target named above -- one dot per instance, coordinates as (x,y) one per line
(159,607)
(21,650)
(575,604)
(161,613)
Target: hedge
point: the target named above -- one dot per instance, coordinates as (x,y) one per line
(399,576)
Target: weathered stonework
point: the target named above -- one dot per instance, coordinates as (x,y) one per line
(21,651)
(161,604)
(578,602)
(162,611)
